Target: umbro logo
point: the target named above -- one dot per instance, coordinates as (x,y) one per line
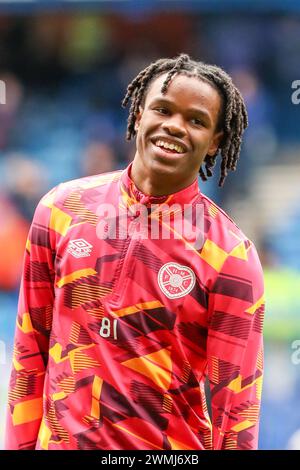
(79,248)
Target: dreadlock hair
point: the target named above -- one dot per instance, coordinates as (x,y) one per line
(233,118)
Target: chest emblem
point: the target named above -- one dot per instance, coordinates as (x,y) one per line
(79,248)
(176,280)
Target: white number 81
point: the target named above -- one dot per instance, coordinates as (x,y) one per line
(105,330)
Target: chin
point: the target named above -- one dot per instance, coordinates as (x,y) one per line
(164,169)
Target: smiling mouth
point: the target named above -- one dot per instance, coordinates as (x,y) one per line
(169,147)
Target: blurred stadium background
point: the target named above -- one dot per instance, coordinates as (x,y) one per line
(66,65)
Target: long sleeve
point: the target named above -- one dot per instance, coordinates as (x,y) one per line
(33,326)
(235,350)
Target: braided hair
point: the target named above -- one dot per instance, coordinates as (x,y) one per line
(233,118)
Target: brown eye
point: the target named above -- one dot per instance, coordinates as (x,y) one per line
(197,122)
(162,110)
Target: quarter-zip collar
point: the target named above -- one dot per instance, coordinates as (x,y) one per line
(134,195)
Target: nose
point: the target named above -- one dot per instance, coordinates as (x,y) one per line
(174,125)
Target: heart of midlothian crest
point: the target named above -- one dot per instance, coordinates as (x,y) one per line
(176,280)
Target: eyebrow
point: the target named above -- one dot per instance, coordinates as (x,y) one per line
(198,111)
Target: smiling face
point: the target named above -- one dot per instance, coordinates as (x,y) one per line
(175,132)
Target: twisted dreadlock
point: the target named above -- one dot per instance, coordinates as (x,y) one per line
(233,118)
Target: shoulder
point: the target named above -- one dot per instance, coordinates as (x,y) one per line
(231,253)
(71,192)
(88,183)
(80,185)
(224,239)
(220,223)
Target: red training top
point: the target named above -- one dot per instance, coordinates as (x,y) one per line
(117,329)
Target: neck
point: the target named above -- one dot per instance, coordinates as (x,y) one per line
(154,184)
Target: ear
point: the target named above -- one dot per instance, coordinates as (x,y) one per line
(215,143)
(138,118)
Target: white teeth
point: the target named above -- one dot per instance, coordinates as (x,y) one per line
(167,145)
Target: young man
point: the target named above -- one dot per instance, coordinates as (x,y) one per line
(123,315)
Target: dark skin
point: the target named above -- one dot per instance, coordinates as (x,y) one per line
(186,115)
